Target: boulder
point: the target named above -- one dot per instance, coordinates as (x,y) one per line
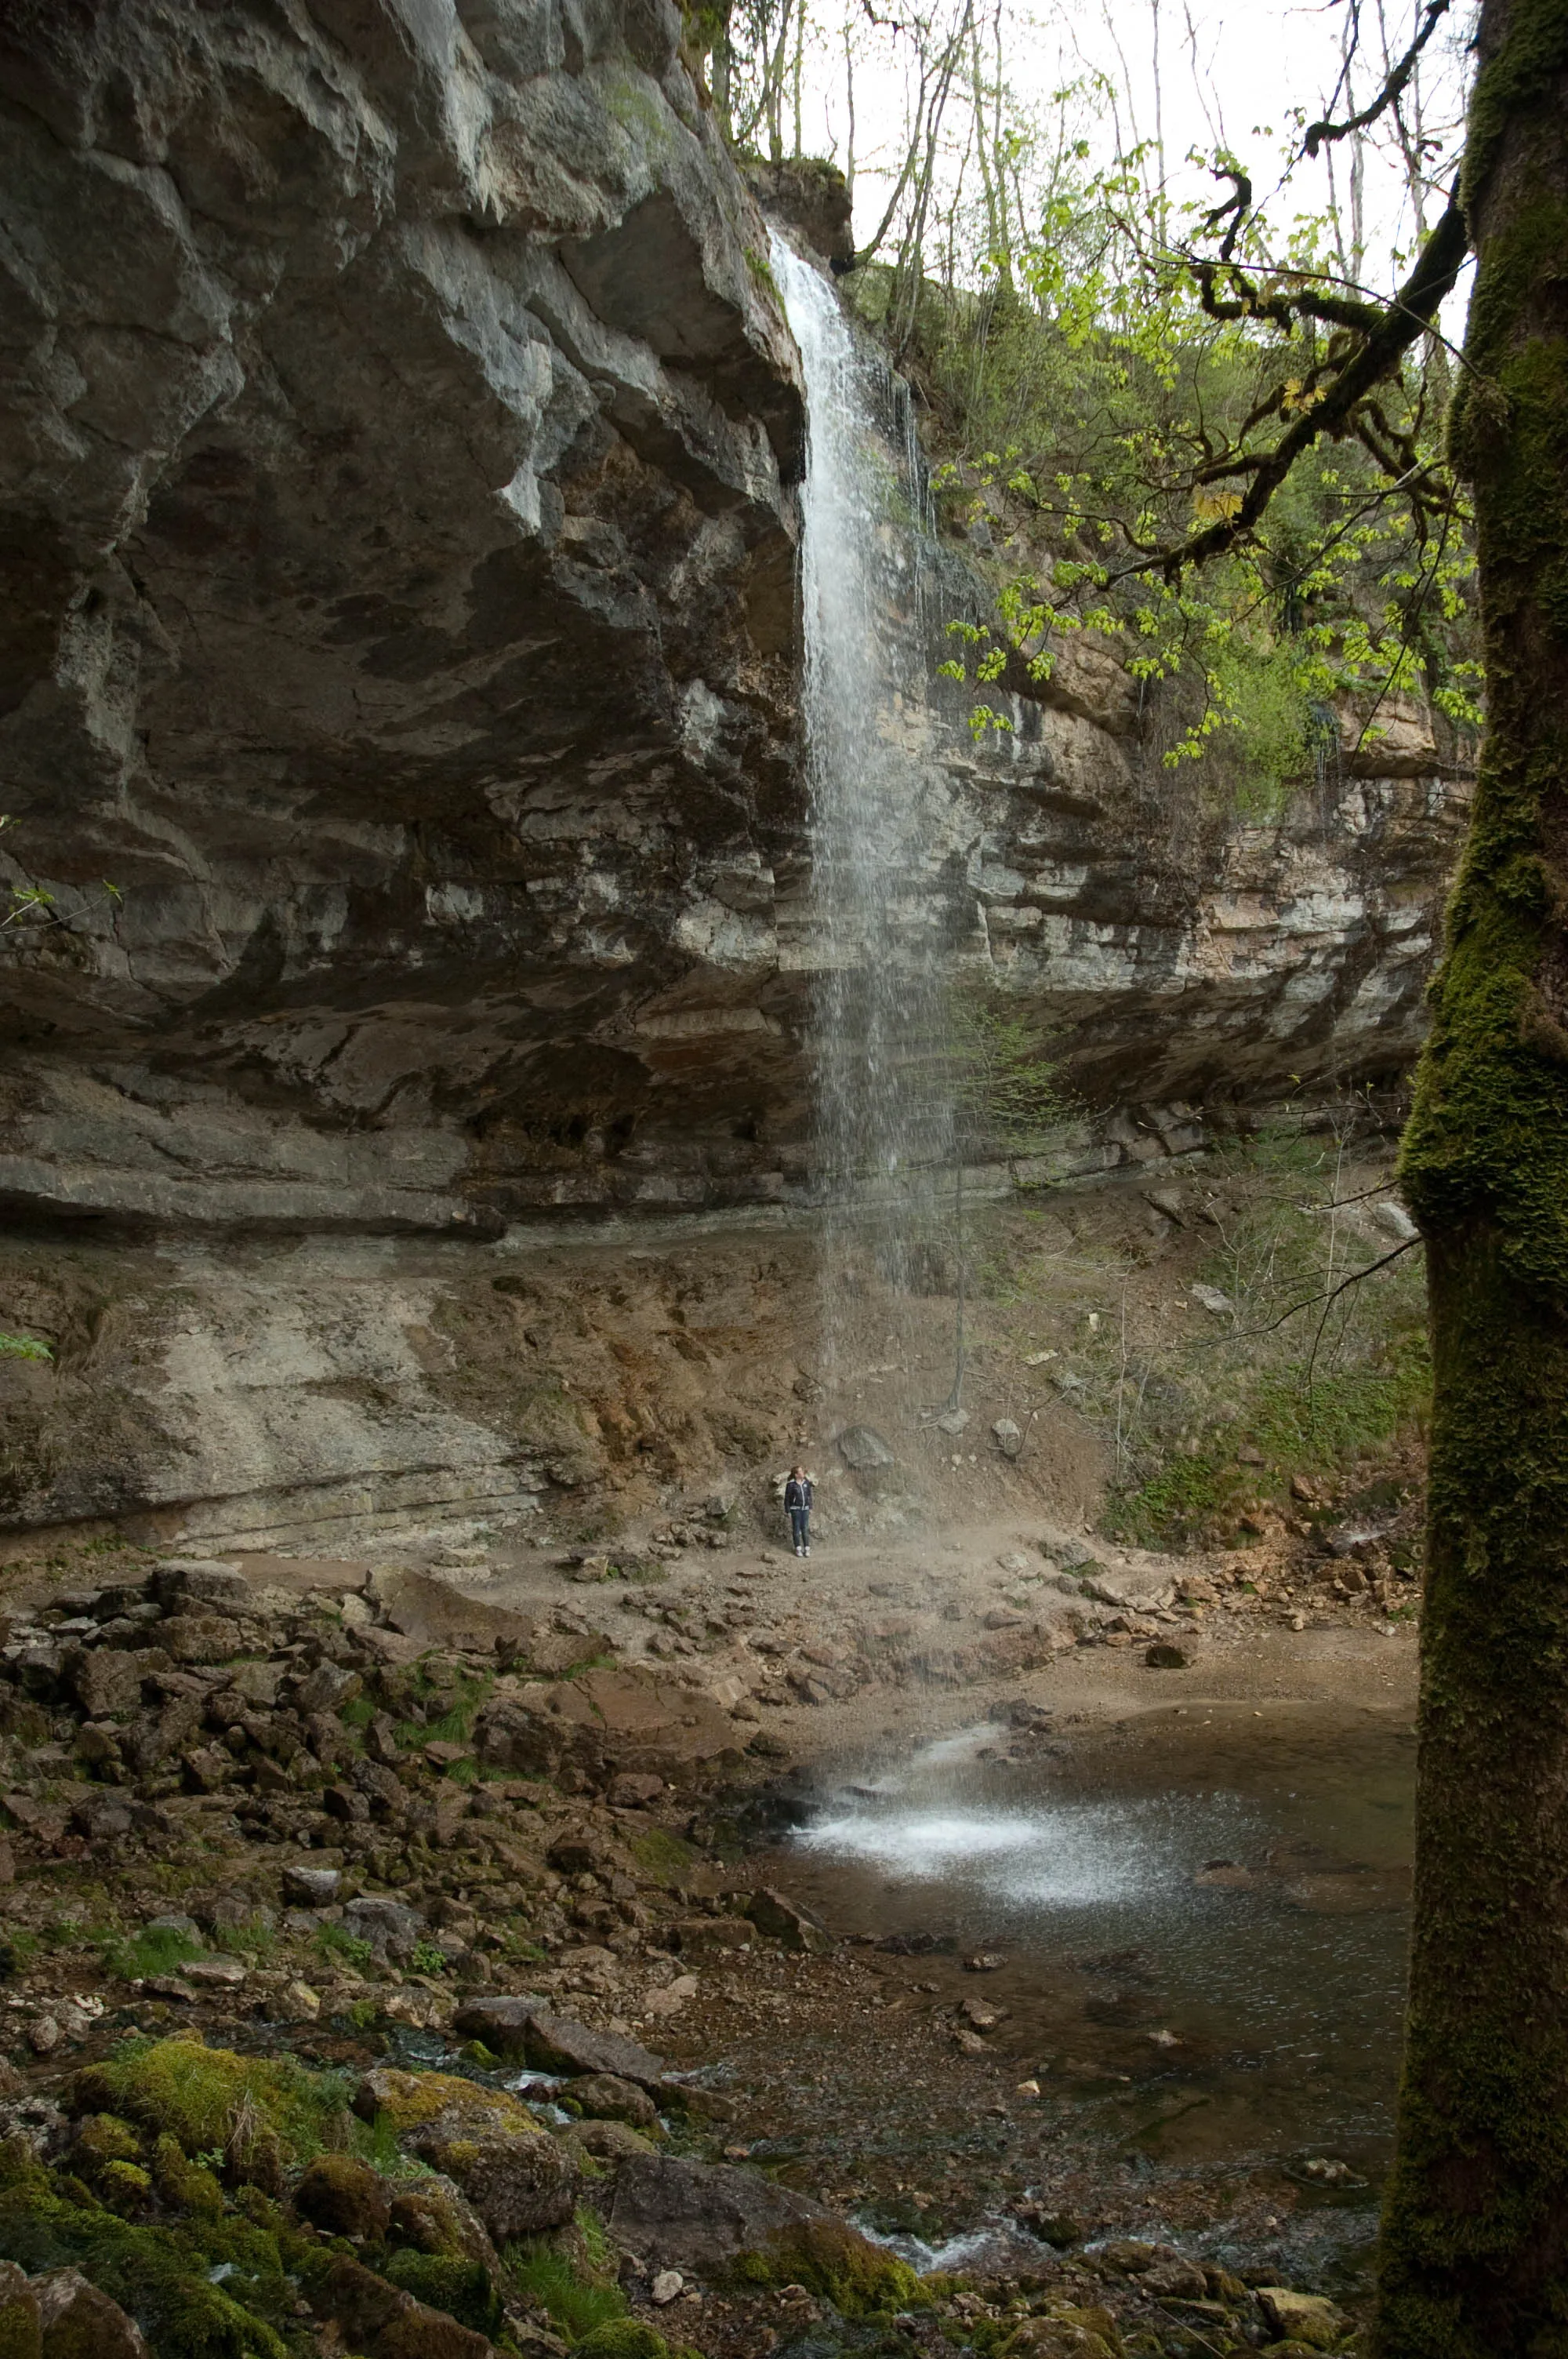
(699,2215)
(518,2179)
(390,1927)
(102,1679)
(863,1448)
(1308,2318)
(182,1583)
(554,2043)
(435,2216)
(77,2321)
(787,1922)
(20,2330)
(608,2098)
(384,2324)
(344,2198)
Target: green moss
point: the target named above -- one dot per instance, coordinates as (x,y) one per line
(102,2138)
(341,1948)
(627,2338)
(125,2187)
(183,2185)
(160,2275)
(662,1855)
(464,2289)
(845,2268)
(256,2112)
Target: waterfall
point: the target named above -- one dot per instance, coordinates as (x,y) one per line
(884,1116)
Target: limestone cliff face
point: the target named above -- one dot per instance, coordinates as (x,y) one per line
(398,612)
(397,609)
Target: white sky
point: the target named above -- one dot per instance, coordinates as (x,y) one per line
(1229,74)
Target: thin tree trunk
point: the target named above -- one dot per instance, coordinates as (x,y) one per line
(1474,2258)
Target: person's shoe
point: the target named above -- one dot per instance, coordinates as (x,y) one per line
(805,1551)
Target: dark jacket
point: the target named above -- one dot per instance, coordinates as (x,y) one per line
(797,1493)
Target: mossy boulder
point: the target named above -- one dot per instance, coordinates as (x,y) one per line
(605,2097)
(20,2331)
(433,2216)
(830,2258)
(263,2114)
(77,2321)
(385,2322)
(183,2185)
(160,2275)
(519,2179)
(466,2290)
(1065,2335)
(100,2138)
(626,2338)
(344,2198)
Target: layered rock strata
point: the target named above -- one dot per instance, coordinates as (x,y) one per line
(398,652)
(398,613)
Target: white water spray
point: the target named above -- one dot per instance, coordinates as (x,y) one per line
(883,1110)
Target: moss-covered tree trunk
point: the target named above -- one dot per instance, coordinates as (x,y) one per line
(1476,2233)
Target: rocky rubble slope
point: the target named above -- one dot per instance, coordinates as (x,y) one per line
(337,1964)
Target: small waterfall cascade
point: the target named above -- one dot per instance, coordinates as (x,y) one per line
(883,1113)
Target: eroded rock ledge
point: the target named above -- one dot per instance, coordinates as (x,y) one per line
(398,612)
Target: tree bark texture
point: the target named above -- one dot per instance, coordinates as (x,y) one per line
(1475,2256)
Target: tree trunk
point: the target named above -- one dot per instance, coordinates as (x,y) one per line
(1475,2256)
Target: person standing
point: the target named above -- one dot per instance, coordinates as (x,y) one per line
(798,1507)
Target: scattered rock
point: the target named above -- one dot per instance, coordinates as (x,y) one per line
(1209,1298)
(787,1922)
(862,1449)
(311,1887)
(697,2216)
(1306,2318)
(607,2097)
(1007,1437)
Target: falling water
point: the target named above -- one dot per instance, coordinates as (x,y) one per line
(883,1111)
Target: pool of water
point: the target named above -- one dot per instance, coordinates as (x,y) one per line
(1193,1930)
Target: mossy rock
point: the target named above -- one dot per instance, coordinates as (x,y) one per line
(344,2197)
(19,2330)
(125,2188)
(409,2102)
(434,2216)
(837,2262)
(101,2138)
(160,2275)
(262,2114)
(625,2338)
(464,2289)
(184,2185)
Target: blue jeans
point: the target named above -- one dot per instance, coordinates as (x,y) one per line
(800,1521)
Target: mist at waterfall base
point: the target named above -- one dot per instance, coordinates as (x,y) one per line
(1205,2040)
(878,942)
